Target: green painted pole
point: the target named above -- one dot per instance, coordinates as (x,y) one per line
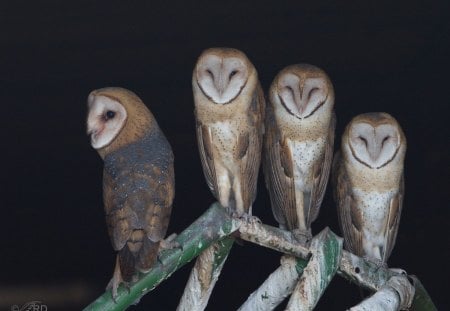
(326,249)
(422,301)
(211,227)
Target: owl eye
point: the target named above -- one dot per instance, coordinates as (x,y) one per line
(363,140)
(385,140)
(110,115)
(210,73)
(314,89)
(232,74)
(289,89)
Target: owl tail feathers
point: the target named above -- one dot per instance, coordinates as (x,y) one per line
(147,255)
(127,264)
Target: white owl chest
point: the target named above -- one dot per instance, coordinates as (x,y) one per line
(305,154)
(225,135)
(375,207)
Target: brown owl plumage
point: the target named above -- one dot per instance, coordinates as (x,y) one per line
(229,111)
(138,178)
(369,185)
(298,146)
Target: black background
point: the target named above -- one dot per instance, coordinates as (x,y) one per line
(389,58)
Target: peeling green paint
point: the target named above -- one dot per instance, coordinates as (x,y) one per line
(300,265)
(204,231)
(221,253)
(326,250)
(215,226)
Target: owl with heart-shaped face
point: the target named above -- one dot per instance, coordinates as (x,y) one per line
(298,145)
(369,186)
(229,111)
(138,178)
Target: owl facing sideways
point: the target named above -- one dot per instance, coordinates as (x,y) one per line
(229,111)
(138,178)
(298,145)
(369,186)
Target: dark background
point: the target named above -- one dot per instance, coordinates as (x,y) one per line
(53,236)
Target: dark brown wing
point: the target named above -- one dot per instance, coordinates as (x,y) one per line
(350,218)
(248,151)
(321,173)
(395,211)
(279,176)
(138,194)
(120,218)
(204,140)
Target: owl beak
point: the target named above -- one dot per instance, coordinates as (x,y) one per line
(220,84)
(92,131)
(374,151)
(302,103)
(302,107)
(93,134)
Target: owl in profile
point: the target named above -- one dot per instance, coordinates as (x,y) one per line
(298,145)
(138,178)
(369,186)
(229,111)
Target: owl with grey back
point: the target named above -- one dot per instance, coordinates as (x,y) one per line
(138,179)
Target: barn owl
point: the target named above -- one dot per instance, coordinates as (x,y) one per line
(138,178)
(298,145)
(229,111)
(368,184)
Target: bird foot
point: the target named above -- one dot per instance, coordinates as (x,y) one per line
(378,262)
(169,243)
(399,271)
(232,212)
(302,236)
(113,285)
(115,281)
(250,219)
(288,260)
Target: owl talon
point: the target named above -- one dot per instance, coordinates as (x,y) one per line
(115,281)
(169,243)
(378,262)
(230,211)
(399,271)
(113,285)
(250,219)
(158,258)
(302,236)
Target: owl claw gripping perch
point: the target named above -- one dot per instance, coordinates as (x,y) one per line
(138,179)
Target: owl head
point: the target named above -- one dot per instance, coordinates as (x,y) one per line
(303,91)
(222,74)
(374,140)
(116,116)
